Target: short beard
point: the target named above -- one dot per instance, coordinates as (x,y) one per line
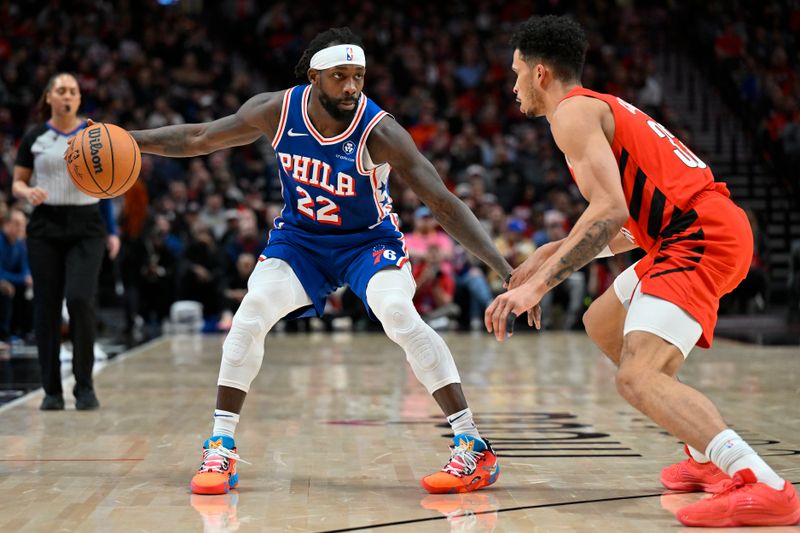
(333,109)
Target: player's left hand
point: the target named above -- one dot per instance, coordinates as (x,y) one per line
(516,301)
(72,151)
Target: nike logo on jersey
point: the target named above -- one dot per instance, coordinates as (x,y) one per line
(295,134)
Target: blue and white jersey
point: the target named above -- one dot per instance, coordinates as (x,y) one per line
(329,184)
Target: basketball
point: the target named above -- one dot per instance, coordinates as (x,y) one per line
(105,161)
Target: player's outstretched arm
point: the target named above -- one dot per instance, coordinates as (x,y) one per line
(577,130)
(256,117)
(389,142)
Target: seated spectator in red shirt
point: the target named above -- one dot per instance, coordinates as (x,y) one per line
(435,289)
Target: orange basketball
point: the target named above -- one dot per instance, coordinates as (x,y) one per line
(105,161)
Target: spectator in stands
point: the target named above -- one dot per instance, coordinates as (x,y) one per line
(435,289)
(515,246)
(201,274)
(236,285)
(571,292)
(149,274)
(426,234)
(15,275)
(246,239)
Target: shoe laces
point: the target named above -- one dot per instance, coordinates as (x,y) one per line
(218,459)
(463,461)
(733,484)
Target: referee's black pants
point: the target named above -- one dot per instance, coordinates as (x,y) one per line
(66,245)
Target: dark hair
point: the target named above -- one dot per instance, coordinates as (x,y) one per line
(42,107)
(556,41)
(323,40)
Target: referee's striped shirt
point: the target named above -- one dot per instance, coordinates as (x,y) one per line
(42,149)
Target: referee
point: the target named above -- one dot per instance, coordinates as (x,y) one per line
(67,237)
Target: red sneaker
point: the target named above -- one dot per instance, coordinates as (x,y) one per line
(472,465)
(691,476)
(745,502)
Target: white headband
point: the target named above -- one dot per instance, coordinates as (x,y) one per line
(340,54)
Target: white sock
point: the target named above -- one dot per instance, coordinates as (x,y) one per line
(462,423)
(224,423)
(697,456)
(730,453)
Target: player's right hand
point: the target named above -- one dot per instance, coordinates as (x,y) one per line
(36,195)
(528,268)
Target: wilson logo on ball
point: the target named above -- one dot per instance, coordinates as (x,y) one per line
(94,149)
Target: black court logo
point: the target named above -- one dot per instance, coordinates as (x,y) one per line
(539,435)
(349,147)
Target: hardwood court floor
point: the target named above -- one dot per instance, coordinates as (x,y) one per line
(339,432)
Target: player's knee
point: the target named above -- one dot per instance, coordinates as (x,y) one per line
(589,322)
(396,313)
(242,352)
(246,337)
(650,353)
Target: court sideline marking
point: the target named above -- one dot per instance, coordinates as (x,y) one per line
(70,380)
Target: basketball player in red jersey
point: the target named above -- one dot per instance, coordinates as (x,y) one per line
(645,188)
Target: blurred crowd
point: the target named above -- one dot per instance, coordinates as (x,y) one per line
(193,228)
(754,52)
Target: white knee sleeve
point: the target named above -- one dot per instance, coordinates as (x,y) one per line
(273,291)
(389,295)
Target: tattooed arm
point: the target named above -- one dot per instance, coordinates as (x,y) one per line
(392,144)
(576,127)
(258,116)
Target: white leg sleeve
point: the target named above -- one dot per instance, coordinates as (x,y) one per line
(389,295)
(273,291)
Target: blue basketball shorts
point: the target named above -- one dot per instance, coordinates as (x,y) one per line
(325,262)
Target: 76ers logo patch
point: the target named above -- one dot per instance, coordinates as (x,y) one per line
(349,147)
(380,252)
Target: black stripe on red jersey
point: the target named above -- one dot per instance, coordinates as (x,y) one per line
(699,250)
(657,204)
(679,222)
(635,205)
(623,162)
(676,214)
(672,271)
(696,236)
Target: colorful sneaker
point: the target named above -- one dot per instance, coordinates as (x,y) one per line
(217,473)
(472,465)
(691,476)
(744,502)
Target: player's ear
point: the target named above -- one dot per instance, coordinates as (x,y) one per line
(312,75)
(541,76)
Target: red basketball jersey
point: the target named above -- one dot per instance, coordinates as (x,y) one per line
(660,175)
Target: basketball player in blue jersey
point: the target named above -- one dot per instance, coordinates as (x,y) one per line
(335,148)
